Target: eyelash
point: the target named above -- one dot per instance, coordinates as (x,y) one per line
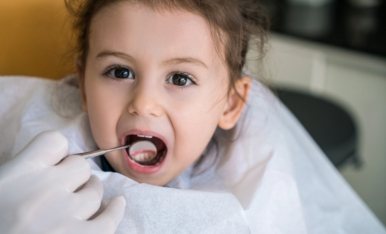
(110,72)
(184,75)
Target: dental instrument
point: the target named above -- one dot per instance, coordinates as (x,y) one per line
(94,153)
(135,146)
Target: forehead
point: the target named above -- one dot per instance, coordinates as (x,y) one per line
(177,30)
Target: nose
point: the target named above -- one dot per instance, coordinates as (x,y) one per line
(145,102)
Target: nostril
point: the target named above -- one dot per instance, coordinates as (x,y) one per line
(132,110)
(144,106)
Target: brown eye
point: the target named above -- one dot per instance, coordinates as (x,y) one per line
(120,73)
(180,79)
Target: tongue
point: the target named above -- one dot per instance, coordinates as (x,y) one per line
(143,151)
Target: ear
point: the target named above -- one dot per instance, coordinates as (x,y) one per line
(236,101)
(81,76)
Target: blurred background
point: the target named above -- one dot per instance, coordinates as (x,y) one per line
(357,25)
(35,38)
(326,60)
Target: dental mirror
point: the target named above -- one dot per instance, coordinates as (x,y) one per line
(140,151)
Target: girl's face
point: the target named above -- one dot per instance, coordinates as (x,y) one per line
(155,75)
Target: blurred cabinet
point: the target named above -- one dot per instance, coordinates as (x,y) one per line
(356,81)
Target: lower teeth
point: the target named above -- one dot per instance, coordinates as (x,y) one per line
(144,157)
(143,152)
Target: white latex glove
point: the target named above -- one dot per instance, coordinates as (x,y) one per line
(39,193)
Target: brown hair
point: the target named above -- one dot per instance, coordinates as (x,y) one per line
(232,22)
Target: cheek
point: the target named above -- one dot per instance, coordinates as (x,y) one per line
(200,111)
(195,126)
(103,113)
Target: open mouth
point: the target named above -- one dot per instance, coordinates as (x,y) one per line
(146,150)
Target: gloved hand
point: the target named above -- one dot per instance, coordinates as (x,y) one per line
(42,191)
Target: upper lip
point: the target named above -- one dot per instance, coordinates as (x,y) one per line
(143,133)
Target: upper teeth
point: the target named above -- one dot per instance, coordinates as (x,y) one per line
(144,136)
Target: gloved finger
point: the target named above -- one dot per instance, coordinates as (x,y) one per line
(71,173)
(108,220)
(47,148)
(88,199)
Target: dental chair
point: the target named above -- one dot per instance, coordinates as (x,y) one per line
(328,123)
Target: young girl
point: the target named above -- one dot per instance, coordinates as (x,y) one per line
(218,153)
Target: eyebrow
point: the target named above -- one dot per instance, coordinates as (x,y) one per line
(115,54)
(170,61)
(186,60)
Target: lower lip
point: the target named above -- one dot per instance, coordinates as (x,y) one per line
(140,168)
